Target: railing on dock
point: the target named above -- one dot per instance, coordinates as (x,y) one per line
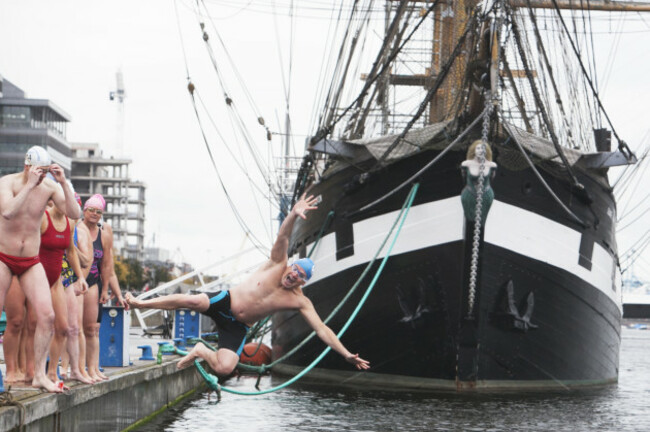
(200,274)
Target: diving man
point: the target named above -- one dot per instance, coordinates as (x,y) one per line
(274,286)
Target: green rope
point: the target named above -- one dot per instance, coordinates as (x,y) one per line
(264,368)
(252,333)
(164,349)
(213,382)
(195,340)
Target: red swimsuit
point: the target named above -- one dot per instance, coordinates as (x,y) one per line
(53,245)
(18,265)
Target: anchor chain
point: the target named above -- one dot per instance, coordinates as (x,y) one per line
(480,154)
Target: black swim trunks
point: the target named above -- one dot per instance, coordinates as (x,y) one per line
(232,333)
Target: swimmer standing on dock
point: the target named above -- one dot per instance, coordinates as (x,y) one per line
(23,197)
(275,286)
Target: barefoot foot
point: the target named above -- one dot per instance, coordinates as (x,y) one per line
(101,375)
(88,377)
(76,375)
(43,382)
(61,386)
(187,360)
(14,377)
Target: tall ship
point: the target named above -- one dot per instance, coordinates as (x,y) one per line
(480,124)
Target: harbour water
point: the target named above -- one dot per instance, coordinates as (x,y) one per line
(305,407)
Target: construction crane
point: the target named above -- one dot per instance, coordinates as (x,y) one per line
(118,95)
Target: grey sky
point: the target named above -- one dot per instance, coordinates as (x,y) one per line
(68,51)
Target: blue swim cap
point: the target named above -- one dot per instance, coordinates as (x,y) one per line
(307,265)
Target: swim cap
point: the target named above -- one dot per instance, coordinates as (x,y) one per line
(37,156)
(307,265)
(96,201)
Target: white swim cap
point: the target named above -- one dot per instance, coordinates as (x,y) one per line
(38,156)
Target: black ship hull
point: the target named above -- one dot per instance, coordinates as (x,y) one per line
(546,310)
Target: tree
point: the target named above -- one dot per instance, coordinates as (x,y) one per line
(129,273)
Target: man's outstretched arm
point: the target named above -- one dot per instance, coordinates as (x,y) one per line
(327,335)
(281,246)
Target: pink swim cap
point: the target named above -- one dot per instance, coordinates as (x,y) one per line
(96,201)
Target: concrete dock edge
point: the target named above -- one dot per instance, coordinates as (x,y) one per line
(130,395)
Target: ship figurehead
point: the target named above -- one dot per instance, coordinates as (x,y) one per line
(477,170)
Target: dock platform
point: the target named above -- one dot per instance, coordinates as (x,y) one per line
(132,395)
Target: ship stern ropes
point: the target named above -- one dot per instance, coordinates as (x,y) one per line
(504,274)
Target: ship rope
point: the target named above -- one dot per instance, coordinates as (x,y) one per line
(540,104)
(192,90)
(7,399)
(212,381)
(327,129)
(622,146)
(544,183)
(549,68)
(476,239)
(423,169)
(259,245)
(236,116)
(442,74)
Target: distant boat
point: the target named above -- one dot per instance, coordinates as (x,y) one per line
(636,300)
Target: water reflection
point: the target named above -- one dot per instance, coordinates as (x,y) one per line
(312,408)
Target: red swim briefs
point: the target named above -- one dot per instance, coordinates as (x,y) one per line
(19,265)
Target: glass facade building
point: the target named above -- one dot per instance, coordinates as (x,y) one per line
(28,122)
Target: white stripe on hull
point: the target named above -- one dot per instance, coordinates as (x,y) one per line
(427,225)
(534,236)
(507,226)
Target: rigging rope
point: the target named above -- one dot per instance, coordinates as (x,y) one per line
(442,74)
(540,105)
(622,146)
(549,68)
(423,169)
(191,88)
(212,381)
(541,179)
(326,130)
(256,242)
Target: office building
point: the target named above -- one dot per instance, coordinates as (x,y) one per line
(125,199)
(26,122)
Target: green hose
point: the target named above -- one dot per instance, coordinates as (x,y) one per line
(212,381)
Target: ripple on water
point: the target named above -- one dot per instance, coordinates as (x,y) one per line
(313,408)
